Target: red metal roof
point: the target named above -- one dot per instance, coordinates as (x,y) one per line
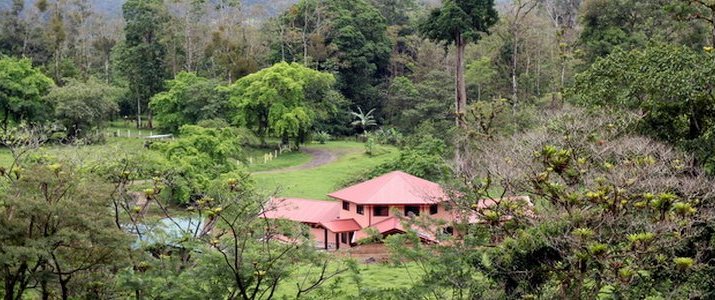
(388,225)
(302,210)
(344,225)
(393,188)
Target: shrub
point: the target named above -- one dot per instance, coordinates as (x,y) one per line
(322,137)
(370,145)
(389,136)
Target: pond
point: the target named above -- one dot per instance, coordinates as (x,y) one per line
(167,232)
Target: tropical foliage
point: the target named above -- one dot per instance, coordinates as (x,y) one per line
(668,84)
(189,99)
(282,101)
(21,91)
(82,106)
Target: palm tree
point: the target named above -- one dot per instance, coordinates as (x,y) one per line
(363,120)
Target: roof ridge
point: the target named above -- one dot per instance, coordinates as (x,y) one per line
(385,184)
(416,189)
(395,187)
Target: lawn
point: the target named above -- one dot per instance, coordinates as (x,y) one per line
(86,153)
(317,182)
(372,276)
(284,160)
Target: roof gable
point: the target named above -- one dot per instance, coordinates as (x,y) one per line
(393,188)
(341,225)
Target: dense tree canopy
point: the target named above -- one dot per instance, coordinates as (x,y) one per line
(189,99)
(670,85)
(57,231)
(630,24)
(341,36)
(142,56)
(21,91)
(79,106)
(200,156)
(282,101)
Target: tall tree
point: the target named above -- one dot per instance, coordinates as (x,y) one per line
(345,37)
(459,23)
(57,35)
(563,15)
(79,106)
(143,56)
(519,10)
(189,99)
(21,91)
(282,100)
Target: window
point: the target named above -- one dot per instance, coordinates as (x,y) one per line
(346,205)
(344,237)
(448,230)
(412,210)
(360,209)
(433,209)
(380,211)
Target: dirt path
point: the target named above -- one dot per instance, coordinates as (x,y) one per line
(319,157)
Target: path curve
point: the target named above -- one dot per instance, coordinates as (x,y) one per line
(319,157)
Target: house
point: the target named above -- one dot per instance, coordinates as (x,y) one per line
(373,206)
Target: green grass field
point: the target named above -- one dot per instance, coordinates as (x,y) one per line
(285,160)
(87,153)
(317,182)
(372,276)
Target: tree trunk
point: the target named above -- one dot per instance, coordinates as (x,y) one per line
(694,129)
(305,39)
(57,66)
(45,290)
(514,83)
(4,121)
(106,69)
(9,288)
(460,88)
(149,118)
(139,113)
(64,288)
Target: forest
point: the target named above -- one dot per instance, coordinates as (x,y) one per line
(123,121)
